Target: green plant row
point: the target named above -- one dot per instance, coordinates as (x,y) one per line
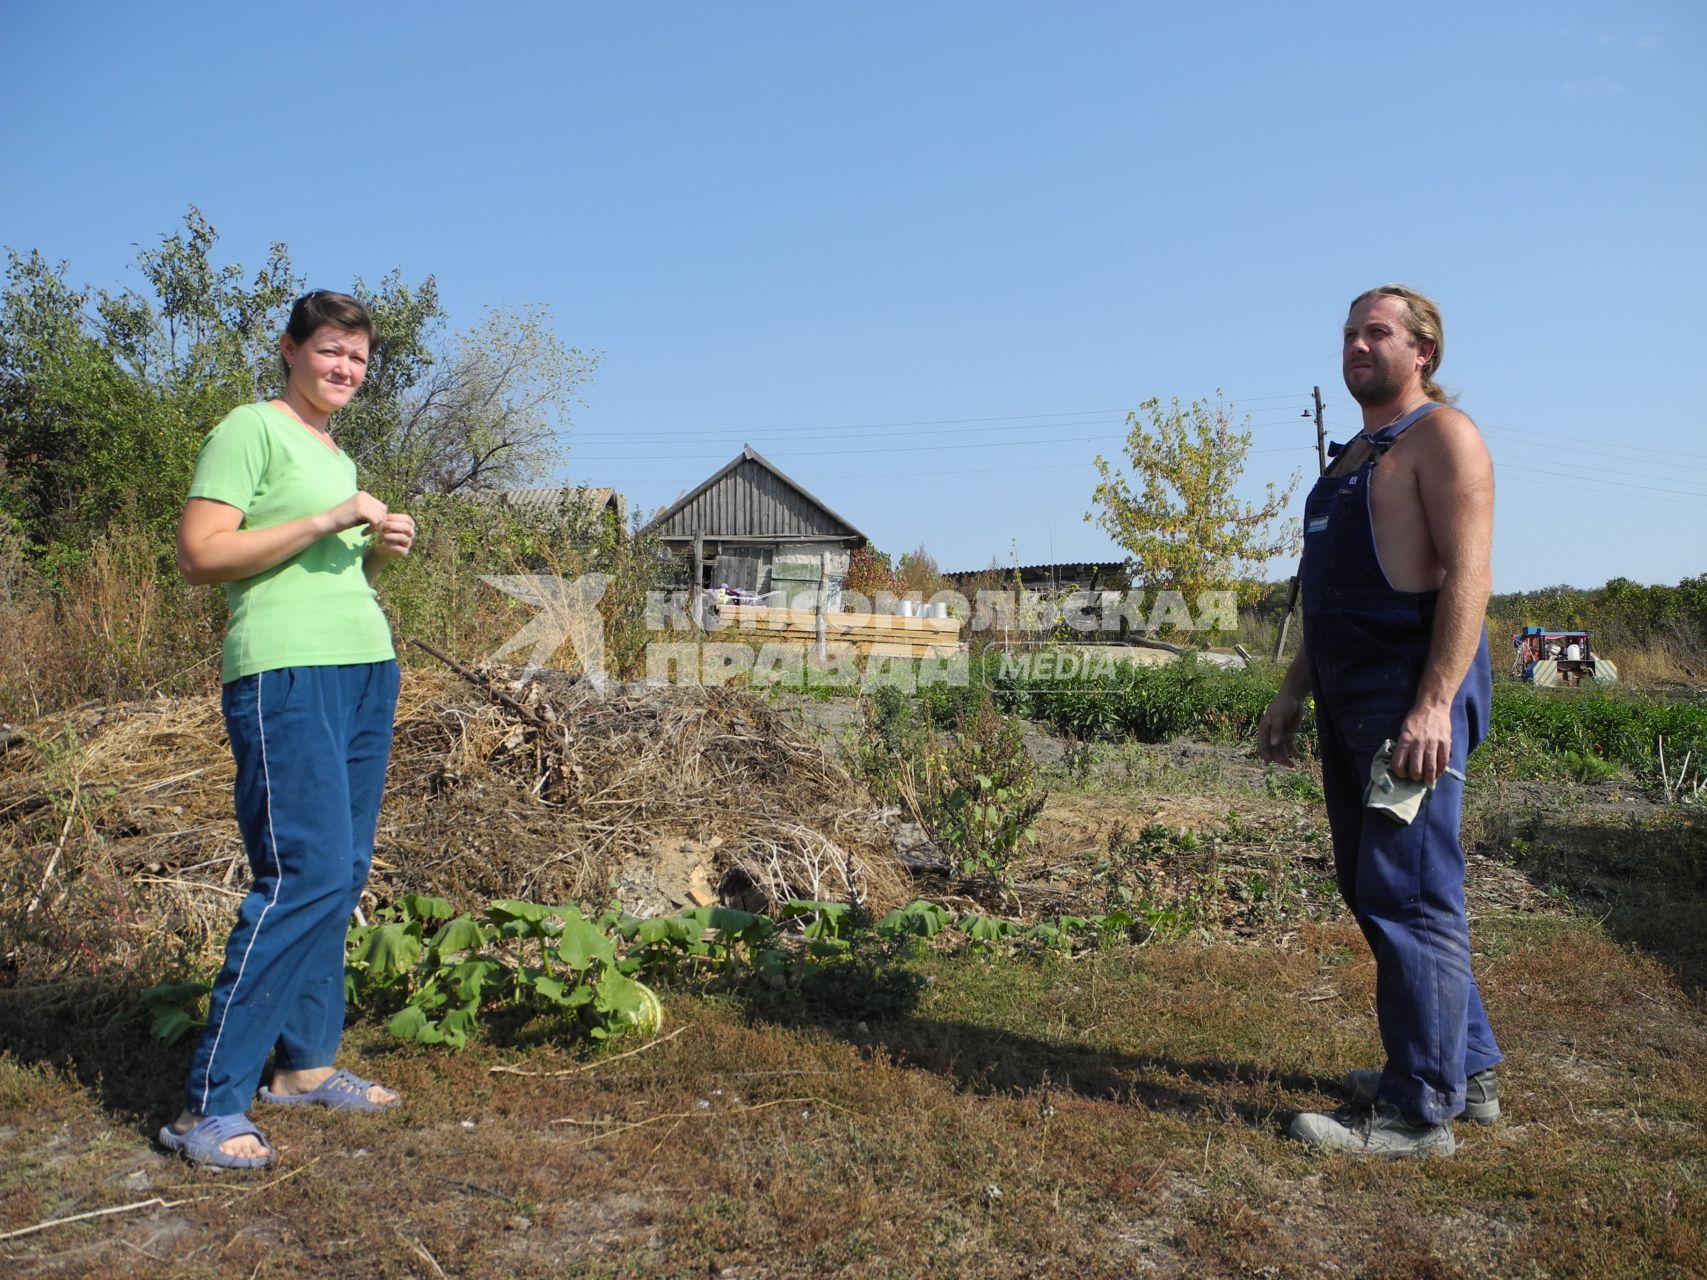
(1147,703)
(1537,732)
(1615,726)
(437,976)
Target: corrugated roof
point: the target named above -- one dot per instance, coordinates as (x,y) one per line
(549,502)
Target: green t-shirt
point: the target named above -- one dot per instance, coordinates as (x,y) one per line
(315,609)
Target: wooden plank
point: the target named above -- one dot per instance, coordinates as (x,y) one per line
(891,649)
(833,636)
(862,648)
(758,617)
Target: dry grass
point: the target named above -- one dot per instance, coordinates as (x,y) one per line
(609,777)
(115,629)
(1117,1113)
(118,851)
(1660,667)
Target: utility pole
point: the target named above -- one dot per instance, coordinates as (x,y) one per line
(1321,469)
(1321,438)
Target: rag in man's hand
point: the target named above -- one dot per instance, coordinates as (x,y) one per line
(1398,798)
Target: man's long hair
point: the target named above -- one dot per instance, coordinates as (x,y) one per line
(1422,319)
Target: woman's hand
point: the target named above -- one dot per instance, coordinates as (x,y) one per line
(359,508)
(212,548)
(392,536)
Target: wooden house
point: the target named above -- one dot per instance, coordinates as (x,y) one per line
(750,528)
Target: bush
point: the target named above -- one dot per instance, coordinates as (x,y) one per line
(1533,733)
(1614,726)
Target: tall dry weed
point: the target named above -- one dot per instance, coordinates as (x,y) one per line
(1660,665)
(112,626)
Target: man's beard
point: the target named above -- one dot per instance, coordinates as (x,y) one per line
(1378,388)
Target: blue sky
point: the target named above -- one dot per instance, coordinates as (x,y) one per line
(925,256)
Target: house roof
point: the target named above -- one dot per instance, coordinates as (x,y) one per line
(549,502)
(750,497)
(1082,569)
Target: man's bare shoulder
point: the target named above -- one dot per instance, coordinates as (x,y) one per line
(1445,433)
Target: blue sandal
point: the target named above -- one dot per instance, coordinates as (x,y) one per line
(200,1144)
(341,1091)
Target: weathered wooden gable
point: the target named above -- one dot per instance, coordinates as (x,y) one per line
(751,499)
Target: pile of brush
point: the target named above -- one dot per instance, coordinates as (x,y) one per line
(118,849)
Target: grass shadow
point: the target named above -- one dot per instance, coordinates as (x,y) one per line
(68,1028)
(873,1006)
(1641,874)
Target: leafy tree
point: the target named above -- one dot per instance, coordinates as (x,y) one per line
(1178,517)
(81,438)
(918,573)
(869,572)
(488,413)
(105,397)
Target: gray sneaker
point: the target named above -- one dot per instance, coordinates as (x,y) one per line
(1481,1093)
(1378,1130)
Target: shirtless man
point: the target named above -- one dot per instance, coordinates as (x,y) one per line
(1395,581)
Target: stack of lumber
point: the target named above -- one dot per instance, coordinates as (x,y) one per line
(872,634)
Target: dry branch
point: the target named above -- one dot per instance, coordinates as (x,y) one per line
(545,790)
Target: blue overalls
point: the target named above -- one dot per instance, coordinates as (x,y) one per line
(1367,645)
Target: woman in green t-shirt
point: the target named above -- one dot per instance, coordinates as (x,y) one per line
(310,689)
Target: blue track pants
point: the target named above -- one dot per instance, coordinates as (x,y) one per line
(311,746)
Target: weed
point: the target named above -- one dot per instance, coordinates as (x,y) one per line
(975,790)
(1077,761)
(1582,766)
(1290,784)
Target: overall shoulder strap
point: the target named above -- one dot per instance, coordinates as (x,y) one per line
(1382,440)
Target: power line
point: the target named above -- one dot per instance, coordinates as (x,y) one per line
(1504,455)
(1594,471)
(894,475)
(1637,488)
(1018,422)
(1054,440)
(834,453)
(1622,448)
(1547,484)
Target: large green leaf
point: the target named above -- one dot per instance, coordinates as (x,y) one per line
(828,918)
(418,906)
(473,979)
(988,928)
(733,925)
(677,930)
(513,911)
(455,1026)
(582,943)
(461,934)
(409,1023)
(389,951)
(552,989)
(621,997)
(926,919)
(170,1023)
